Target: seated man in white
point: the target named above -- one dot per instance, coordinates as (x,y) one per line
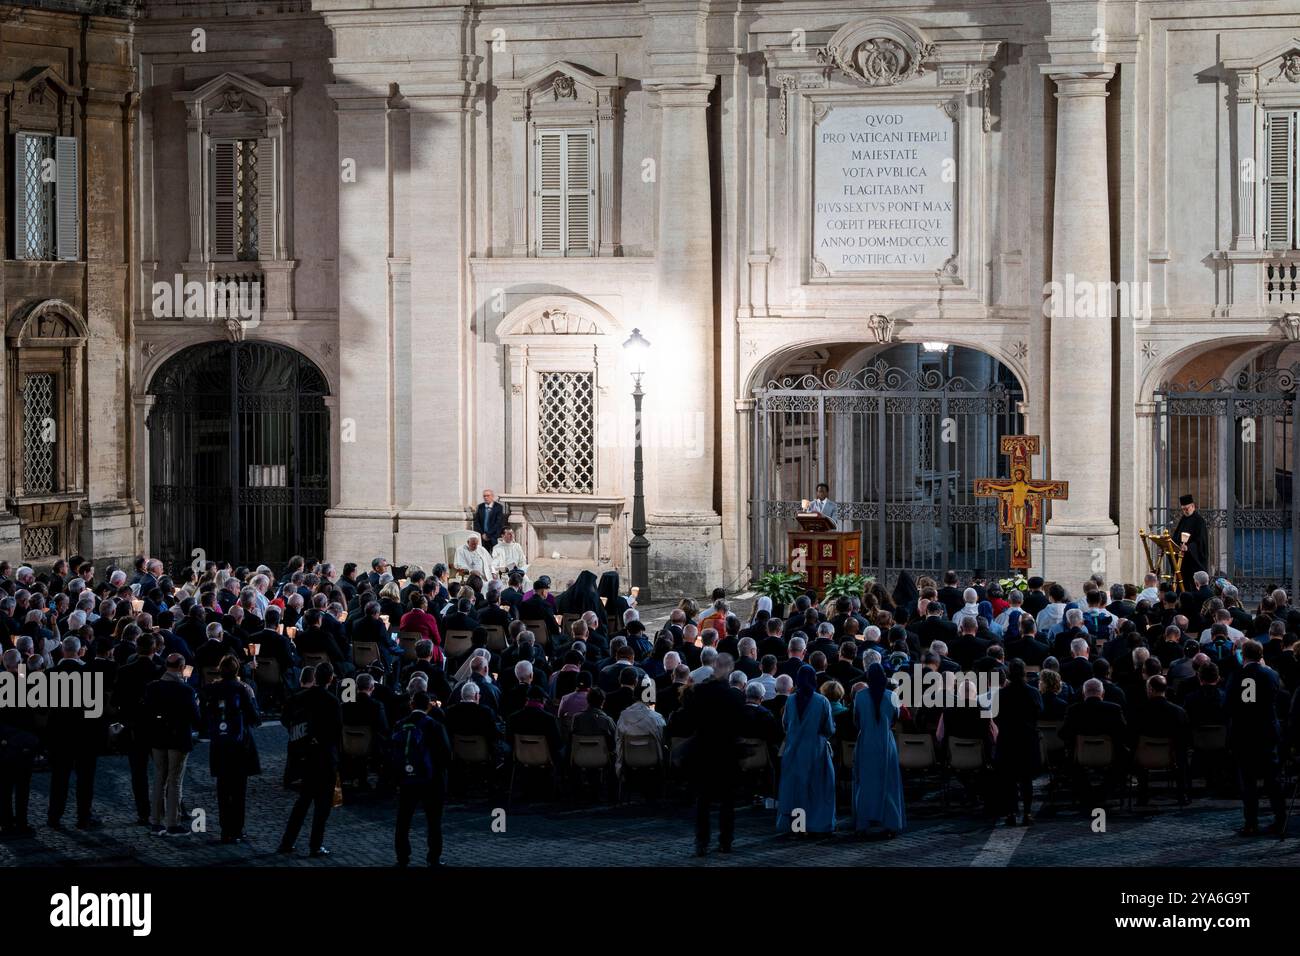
(509,556)
(472,558)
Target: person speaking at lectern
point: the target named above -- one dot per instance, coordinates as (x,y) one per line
(822,504)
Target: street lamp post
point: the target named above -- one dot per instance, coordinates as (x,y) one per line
(640,545)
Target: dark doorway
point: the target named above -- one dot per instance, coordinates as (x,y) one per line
(239,455)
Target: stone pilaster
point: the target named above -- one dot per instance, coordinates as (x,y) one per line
(443,429)
(1081,537)
(361,523)
(683,525)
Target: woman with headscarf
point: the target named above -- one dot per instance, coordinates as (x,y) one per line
(877,779)
(807,766)
(581,596)
(616,605)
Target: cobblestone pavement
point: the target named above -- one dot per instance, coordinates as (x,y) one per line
(561,833)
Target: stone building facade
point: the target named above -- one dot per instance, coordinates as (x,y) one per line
(455,214)
(68,96)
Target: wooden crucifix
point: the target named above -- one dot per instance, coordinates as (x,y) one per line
(1020,497)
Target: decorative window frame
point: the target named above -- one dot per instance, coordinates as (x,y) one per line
(49,337)
(564,94)
(234,106)
(43,103)
(559,333)
(1258,85)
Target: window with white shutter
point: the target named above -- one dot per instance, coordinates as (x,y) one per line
(238,208)
(46,191)
(564,193)
(1280,194)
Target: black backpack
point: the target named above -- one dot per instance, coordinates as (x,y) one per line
(226,725)
(415,766)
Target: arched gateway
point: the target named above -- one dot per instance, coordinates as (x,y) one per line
(899,436)
(239,454)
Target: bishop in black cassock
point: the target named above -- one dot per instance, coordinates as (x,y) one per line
(1196,548)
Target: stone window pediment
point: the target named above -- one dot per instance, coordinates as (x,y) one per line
(42,101)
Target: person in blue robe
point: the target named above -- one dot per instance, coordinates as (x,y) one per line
(877,779)
(807,768)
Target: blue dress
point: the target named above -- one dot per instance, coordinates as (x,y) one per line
(807,768)
(877,779)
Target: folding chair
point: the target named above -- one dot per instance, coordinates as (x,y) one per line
(357,743)
(965,755)
(755,759)
(588,752)
(266,673)
(1052,748)
(314,658)
(1210,751)
(540,632)
(365,653)
(1155,755)
(639,752)
(532,752)
(457,644)
(496,638)
(470,753)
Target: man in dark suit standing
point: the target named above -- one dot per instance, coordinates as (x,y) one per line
(321,733)
(1095,717)
(1254,735)
(423,754)
(969,646)
(74,742)
(950,595)
(717,712)
(489,519)
(1035,598)
(935,627)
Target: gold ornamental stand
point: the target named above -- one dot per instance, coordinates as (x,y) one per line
(1162,553)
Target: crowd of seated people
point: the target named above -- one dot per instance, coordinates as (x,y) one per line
(572,685)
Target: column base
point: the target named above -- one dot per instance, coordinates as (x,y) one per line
(685,555)
(358,535)
(113,531)
(1070,559)
(11,539)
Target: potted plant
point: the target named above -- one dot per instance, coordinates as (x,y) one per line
(847,585)
(782,587)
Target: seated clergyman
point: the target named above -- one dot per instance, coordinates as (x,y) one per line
(472,558)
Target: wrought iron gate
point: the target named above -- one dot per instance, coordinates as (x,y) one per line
(239,455)
(900,450)
(1232,444)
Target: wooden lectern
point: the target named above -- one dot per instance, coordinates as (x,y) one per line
(826,553)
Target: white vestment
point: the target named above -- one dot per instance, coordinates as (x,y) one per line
(478,561)
(508,557)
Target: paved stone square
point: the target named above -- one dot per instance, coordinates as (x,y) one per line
(563,834)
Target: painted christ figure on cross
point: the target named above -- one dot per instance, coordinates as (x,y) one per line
(1020,497)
